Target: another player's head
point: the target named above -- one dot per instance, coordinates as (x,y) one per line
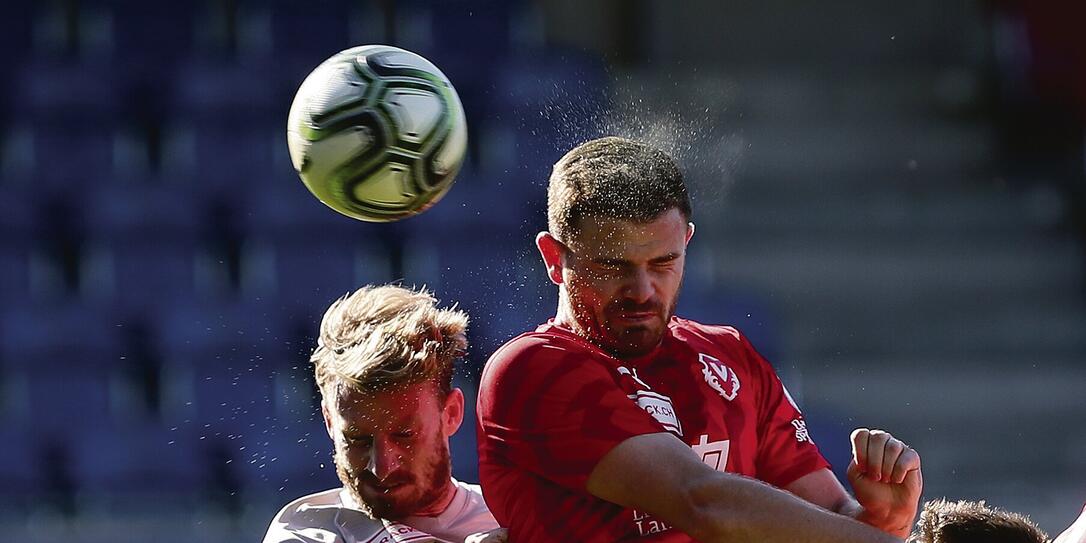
(619,219)
(384,365)
(944,521)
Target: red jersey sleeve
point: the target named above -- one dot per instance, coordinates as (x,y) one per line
(547,407)
(785,450)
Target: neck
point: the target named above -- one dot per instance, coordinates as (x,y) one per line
(438,506)
(564,316)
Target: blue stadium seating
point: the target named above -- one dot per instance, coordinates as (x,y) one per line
(225,125)
(65,156)
(149,39)
(67,361)
(300,35)
(18,233)
(16,33)
(286,460)
(127,467)
(62,89)
(230,91)
(555,101)
(298,249)
(144,245)
(22,475)
(68,114)
(220,158)
(222,362)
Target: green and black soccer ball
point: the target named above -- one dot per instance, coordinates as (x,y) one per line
(377,133)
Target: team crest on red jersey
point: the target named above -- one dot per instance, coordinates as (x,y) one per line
(718,376)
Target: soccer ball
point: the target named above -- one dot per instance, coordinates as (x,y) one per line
(377,133)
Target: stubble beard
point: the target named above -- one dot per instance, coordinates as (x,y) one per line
(438,473)
(619,343)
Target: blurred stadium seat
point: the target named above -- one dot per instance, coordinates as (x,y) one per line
(144,246)
(224,364)
(127,468)
(19,230)
(16,34)
(22,476)
(280,462)
(65,364)
(300,251)
(300,35)
(150,39)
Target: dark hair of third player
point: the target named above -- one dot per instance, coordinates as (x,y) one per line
(944,521)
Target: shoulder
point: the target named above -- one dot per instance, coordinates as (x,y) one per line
(476,515)
(533,355)
(312,513)
(540,368)
(472,491)
(721,336)
(316,501)
(726,343)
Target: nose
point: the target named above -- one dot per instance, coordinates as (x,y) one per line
(640,287)
(385,459)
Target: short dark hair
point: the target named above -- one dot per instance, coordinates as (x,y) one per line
(963,521)
(616,178)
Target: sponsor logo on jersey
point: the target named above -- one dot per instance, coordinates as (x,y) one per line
(801,430)
(647,525)
(659,406)
(714,454)
(661,409)
(719,377)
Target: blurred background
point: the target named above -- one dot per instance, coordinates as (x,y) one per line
(889,199)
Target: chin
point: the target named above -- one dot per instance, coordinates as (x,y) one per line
(390,508)
(636,342)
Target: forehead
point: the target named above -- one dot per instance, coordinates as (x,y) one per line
(376,409)
(609,237)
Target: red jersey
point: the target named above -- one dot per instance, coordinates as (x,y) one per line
(551,405)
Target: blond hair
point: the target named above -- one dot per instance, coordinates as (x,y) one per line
(963,521)
(616,178)
(379,338)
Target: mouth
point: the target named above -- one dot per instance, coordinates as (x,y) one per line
(386,487)
(638,317)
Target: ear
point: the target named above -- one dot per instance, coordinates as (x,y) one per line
(689,231)
(452,415)
(327,419)
(551,251)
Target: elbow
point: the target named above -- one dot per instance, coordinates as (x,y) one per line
(709,511)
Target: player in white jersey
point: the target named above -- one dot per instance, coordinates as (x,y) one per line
(1076,533)
(384,364)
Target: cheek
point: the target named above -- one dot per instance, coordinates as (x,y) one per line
(354,456)
(590,291)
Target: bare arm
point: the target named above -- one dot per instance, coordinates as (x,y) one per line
(658,474)
(824,490)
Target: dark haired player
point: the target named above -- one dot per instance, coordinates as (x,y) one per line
(617,421)
(944,521)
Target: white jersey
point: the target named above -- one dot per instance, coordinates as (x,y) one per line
(332,517)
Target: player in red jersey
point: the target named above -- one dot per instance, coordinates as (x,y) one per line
(617,421)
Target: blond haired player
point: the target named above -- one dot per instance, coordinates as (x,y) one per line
(384,365)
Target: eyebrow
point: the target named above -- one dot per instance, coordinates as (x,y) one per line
(623,262)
